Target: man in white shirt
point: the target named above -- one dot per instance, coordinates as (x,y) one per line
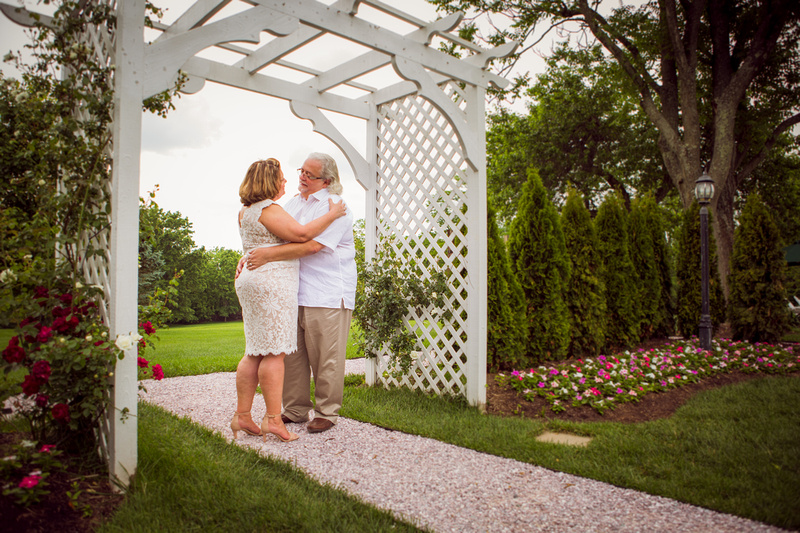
(326,298)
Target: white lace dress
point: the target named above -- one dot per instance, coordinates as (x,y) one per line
(268,294)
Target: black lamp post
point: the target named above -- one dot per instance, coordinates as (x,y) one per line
(704,192)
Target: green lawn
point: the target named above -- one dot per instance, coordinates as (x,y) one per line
(733,449)
(207,348)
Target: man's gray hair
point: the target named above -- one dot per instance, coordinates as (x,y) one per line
(329,171)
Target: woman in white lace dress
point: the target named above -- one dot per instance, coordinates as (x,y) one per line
(268,296)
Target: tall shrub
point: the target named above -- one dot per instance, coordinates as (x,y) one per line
(585,292)
(646,279)
(506,339)
(757,306)
(664,321)
(689,276)
(618,273)
(539,259)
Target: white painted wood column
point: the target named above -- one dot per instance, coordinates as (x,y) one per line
(478,264)
(124,248)
(370,219)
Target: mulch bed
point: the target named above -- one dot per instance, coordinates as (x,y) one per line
(96,502)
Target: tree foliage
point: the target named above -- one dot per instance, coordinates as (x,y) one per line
(718,79)
(166,250)
(539,260)
(585,292)
(757,307)
(688,274)
(506,338)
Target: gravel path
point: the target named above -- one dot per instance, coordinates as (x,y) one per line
(439,486)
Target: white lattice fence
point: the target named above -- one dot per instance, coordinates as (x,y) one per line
(421,204)
(95,247)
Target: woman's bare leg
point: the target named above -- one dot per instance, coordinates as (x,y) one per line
(270,375)
(246,384)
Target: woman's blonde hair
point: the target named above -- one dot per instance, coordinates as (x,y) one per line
(262,181)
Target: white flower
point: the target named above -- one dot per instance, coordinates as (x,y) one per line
(88,338)
(126,342)
(27,257)
(78,285)
(104,334)
(415,355)
(28,444)
(7,275)
(42,182)
(434,295)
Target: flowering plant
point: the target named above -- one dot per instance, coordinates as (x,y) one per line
(25,472)
(607,381)
(392,288)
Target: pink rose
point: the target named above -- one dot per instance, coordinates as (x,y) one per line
(143,363)
(44,334)
(158,373)
(29,482)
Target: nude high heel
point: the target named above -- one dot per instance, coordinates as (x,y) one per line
(265,429)
(236,427)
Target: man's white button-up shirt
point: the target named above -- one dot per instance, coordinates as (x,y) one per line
(328,277)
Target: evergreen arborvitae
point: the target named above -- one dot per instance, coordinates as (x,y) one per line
(584,295)
(757,304)
(646,279)
(618,274)
(665,319)
(539,259)
(687,270)
(506,339)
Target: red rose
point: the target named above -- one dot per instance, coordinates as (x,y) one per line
(40,292)
(31,385)
(60,324)
(41,371)
(143,363)
(42,399)
(148,327)
(60,311)
(158,373)
(14,353)
(26,321)
(60,411)
(66,299)
(44,334)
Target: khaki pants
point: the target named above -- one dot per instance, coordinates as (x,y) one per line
(321,350)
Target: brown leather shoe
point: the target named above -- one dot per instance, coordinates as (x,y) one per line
(318,425)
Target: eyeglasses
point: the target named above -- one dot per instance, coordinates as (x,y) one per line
(301,171)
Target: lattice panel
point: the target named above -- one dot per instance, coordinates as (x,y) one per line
(95,248)
(421,214)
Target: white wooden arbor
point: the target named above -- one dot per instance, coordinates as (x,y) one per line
(424,169)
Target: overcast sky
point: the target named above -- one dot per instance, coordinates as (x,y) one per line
(199,154)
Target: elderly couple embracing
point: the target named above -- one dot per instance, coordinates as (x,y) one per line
(296,284)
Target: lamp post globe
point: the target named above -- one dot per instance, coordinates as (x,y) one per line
(704,192)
